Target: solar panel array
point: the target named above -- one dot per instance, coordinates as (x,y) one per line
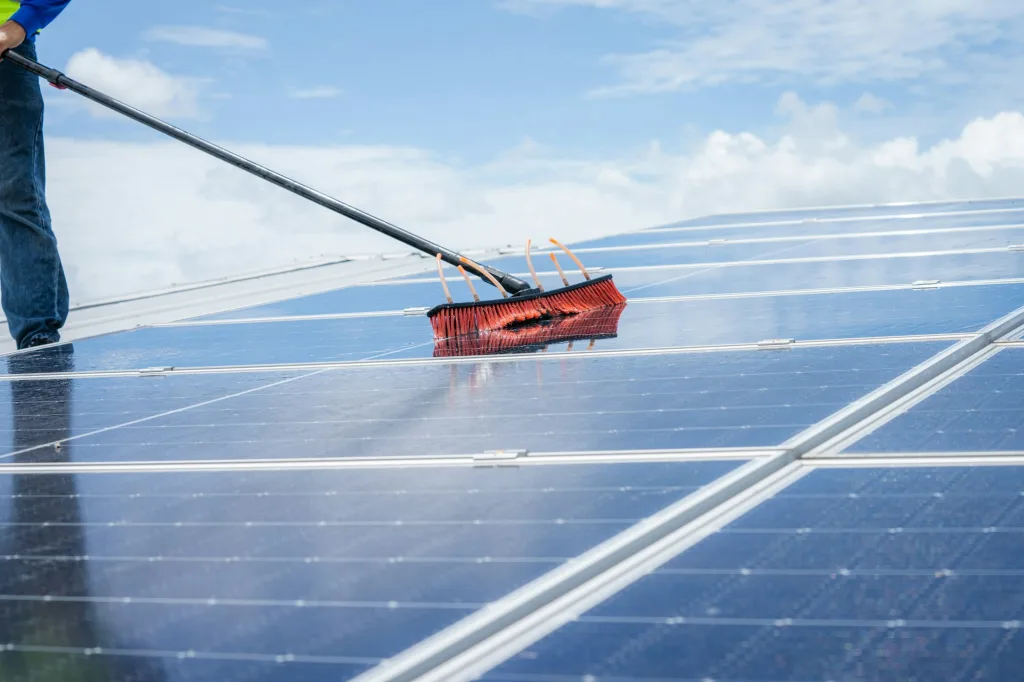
(796,454)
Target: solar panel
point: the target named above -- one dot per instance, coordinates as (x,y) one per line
(978,412)
(996,220)
(768,465)
(342,568)
(874,574)
(885,212)
(640,283)
(672,402)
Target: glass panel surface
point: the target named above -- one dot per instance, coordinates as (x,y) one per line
(800,228)
(701,400)
(40,412)
(853,212)
(919,571)
(919,243)
(673,255)
(979,412)
(259,343)
(636,283)
(339,568)
(639,325)
(819,274)
(359,299)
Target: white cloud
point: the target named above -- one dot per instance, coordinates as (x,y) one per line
(165,213)
(871,104)
(317,92)
(827,41)
(135,82)
(201,36)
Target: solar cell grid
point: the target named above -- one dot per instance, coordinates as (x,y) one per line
(821,274)
(883,573)
(980,411)
(639,325)
(348,566)
(799,228)
(826,212)
(880,574)
(655,282)
(728,399)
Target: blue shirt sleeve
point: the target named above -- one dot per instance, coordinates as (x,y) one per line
(35,15)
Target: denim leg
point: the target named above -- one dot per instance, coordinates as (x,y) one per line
(33,288)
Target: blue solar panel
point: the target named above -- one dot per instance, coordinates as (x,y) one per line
(865,573)
(870,574)
(980,411)
(641,283)
(670,255)
(800,229)
(640,325)
(300,341)
(945,241)
(734,399)
(854,212)
(34,413)
(819,274)
(349,566)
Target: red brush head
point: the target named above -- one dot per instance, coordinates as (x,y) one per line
(457,319)
(590,325)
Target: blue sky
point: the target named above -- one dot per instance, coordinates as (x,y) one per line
(469,78)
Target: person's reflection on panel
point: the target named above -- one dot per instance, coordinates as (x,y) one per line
(45,533)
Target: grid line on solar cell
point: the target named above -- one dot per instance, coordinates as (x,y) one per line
(308,606)
(739,611)
(975,412)
(675,402)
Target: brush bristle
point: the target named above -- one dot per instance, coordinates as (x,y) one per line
(599,323)
(459,319)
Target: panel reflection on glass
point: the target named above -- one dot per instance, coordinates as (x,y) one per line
(702,400)
(40,412)
(982,411)
(120,577)
(873,574)
(258,343)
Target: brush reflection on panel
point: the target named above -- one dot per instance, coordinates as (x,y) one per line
(47,639)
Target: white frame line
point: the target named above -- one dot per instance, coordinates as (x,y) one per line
(478,460)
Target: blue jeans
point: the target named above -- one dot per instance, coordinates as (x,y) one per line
(33,289)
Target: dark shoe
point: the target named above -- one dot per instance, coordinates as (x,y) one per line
(39,340)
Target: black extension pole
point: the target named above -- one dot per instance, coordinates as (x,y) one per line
(57,79)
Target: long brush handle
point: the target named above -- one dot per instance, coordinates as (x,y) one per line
(61,81)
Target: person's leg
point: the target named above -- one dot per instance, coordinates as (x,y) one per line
(33,288)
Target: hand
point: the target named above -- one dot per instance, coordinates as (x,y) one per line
(11,36)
